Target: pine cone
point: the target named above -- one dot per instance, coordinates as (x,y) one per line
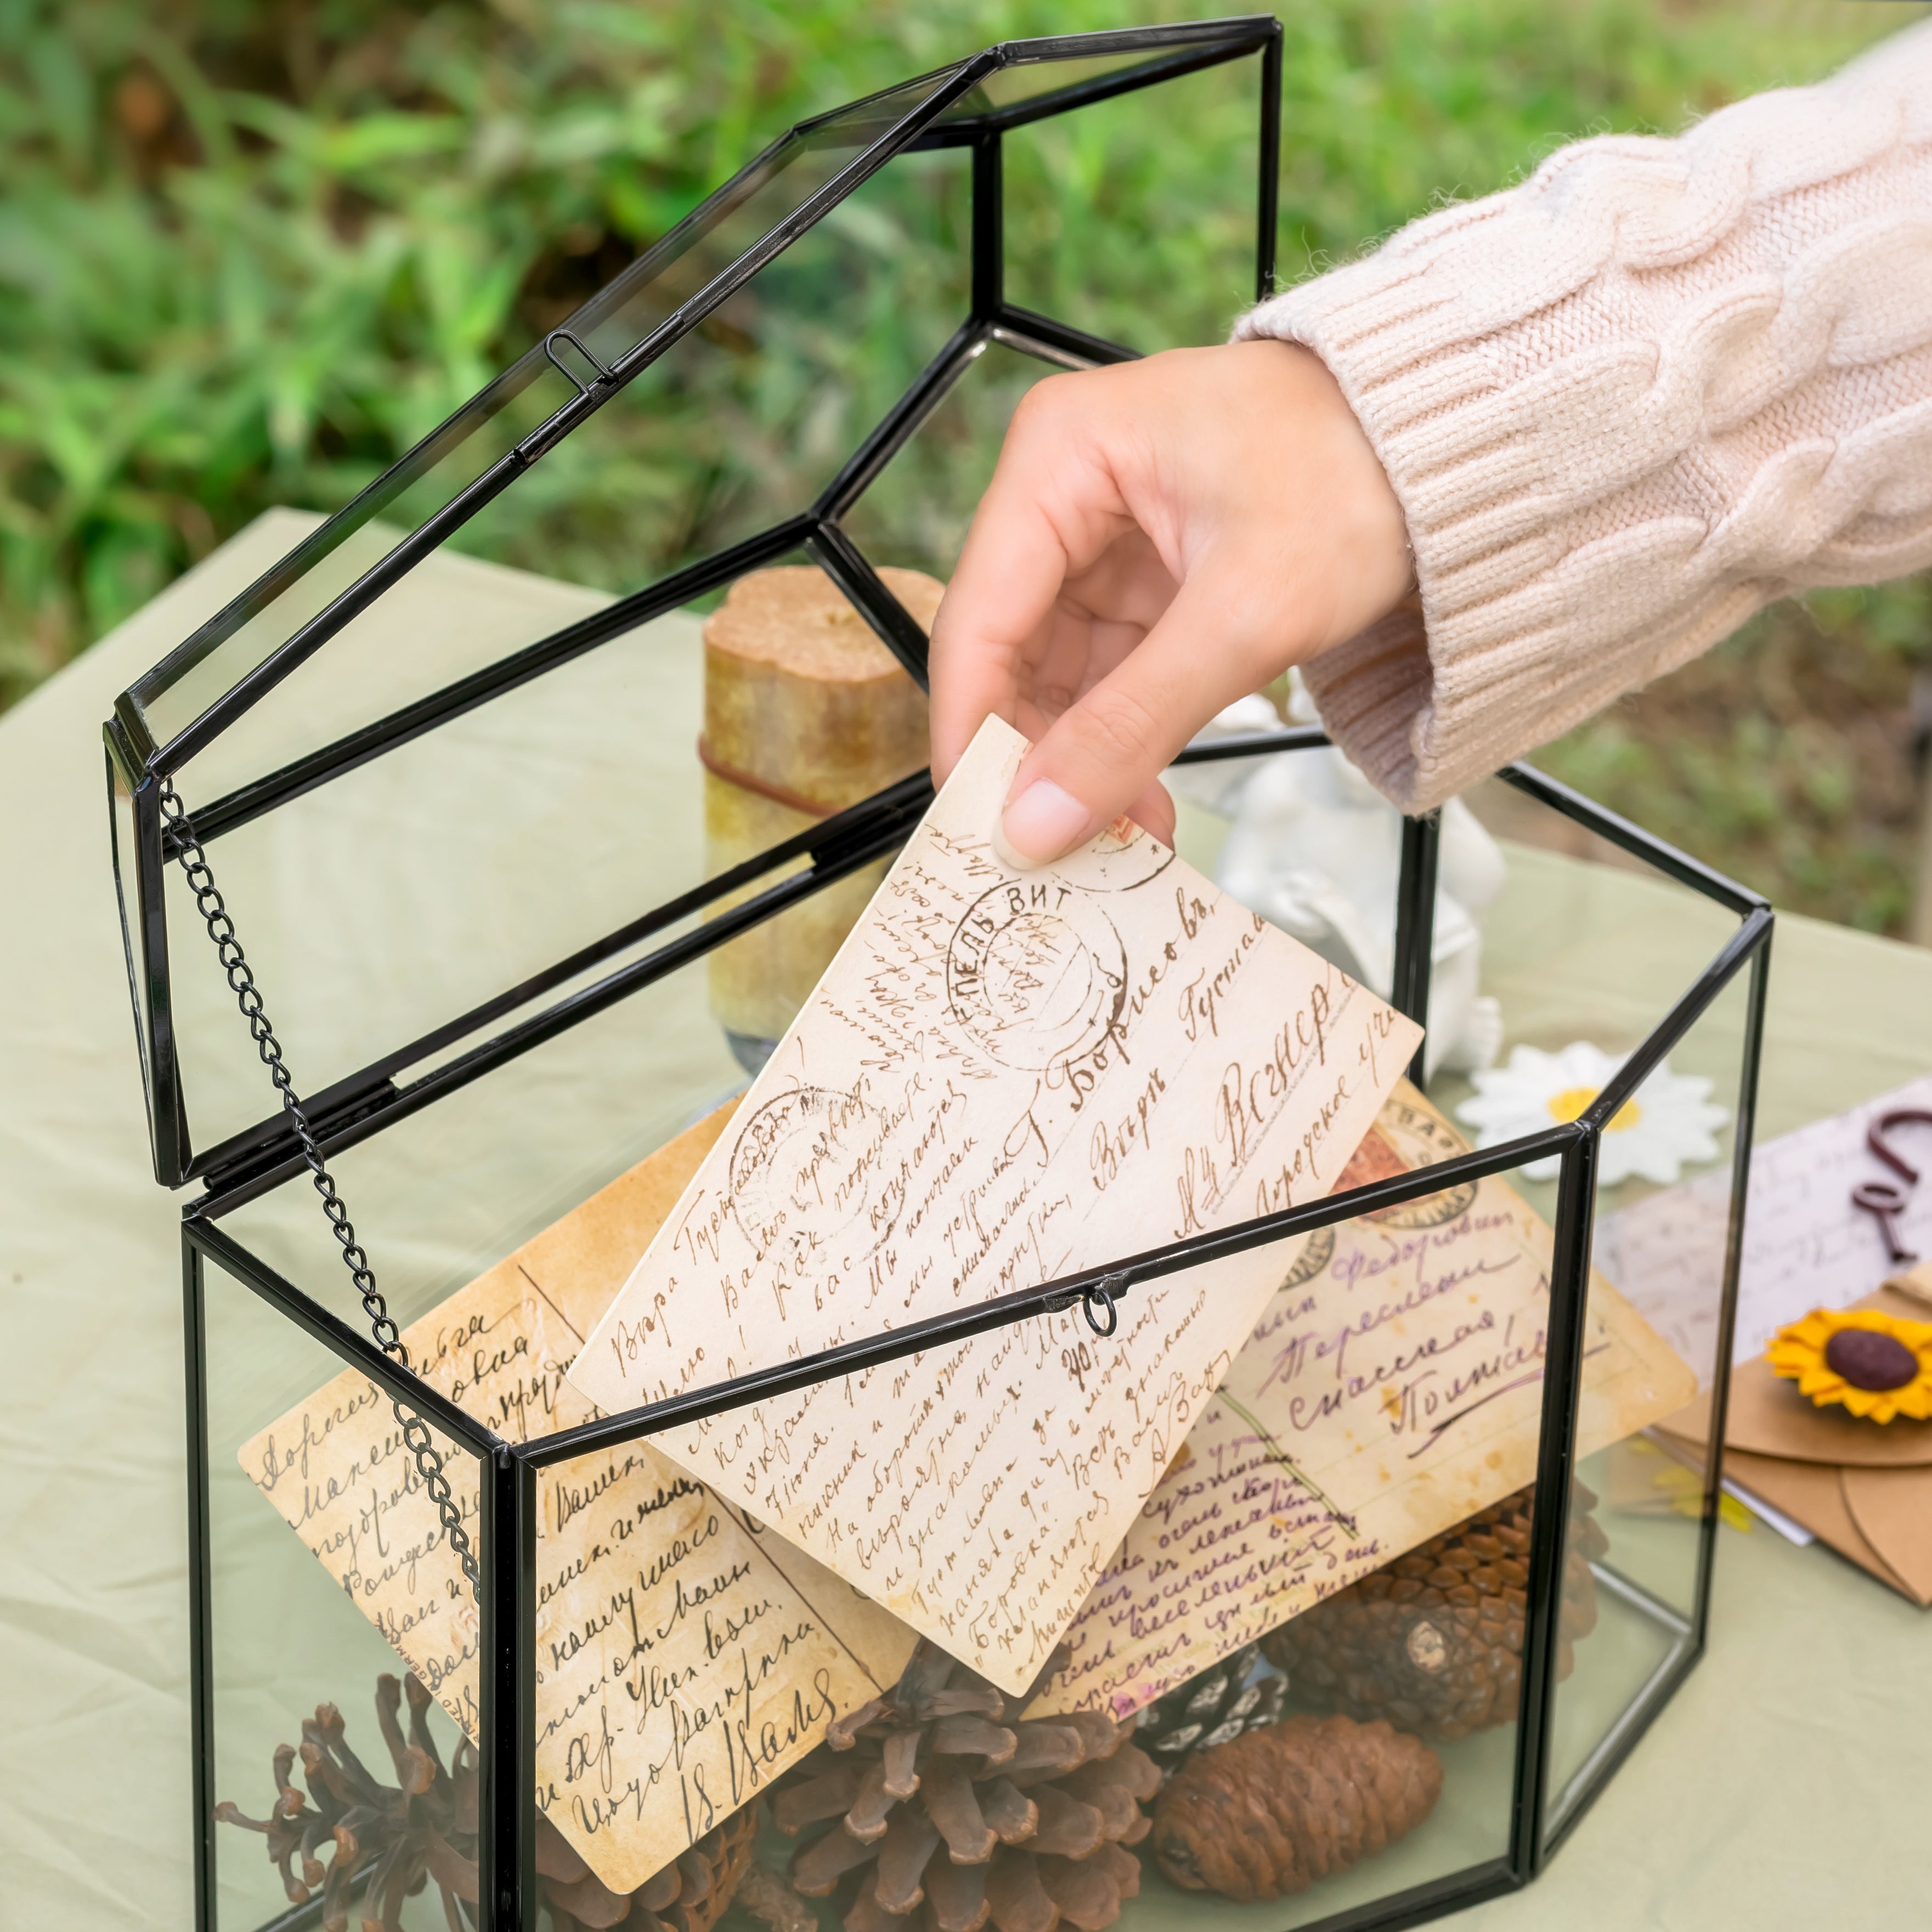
(392,1840)
(688,1895)
(1280,1807)
(1211,1709)
(1019,1822)
(1433,1641)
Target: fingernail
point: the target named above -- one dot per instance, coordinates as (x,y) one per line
(1044,822)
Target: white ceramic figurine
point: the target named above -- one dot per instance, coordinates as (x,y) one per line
(1316,850)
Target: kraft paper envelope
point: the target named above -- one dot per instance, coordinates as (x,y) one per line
(1864,1487)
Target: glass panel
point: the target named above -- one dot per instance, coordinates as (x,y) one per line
(613,323)
(306,1456)
(500,844)
(1303,838)
(743,423)
(1583,948)
(694,255)
(1420,1619)
(1373,1459)
(918,509)
(1325,1597)
(737,427)
(1031,82)
(1134,219)
(1029,79)
(127,893)
(184,684)
(1662,1225)
(443,1194)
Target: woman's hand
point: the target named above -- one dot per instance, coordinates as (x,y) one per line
(1160,538)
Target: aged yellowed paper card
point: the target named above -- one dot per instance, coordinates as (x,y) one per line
(685,1655)
(1392,1388)
(1004,1076)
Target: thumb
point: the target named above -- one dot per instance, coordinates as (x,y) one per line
(1104,755)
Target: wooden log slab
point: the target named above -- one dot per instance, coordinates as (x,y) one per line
(806,712)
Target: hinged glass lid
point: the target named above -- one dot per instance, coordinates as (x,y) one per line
(753,391)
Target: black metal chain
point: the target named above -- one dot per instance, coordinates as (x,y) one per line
(214,911)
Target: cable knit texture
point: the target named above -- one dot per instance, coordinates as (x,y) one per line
(1659,385)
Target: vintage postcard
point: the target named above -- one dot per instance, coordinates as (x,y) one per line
(685,1655)
(1392,1388)
(1004,1076)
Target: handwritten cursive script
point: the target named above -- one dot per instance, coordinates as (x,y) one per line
(1003,1077)
(1392,1386)
(685,1655)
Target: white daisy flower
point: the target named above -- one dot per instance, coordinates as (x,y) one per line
(1671,1118)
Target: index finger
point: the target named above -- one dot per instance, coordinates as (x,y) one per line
(1049,510)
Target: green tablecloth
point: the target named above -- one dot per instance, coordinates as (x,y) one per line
(1778,1791)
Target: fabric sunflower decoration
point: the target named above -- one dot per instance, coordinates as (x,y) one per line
(1878,1365)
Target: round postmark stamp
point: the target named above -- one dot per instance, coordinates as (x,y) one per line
(1421,1138)
(1317,1252)
(1035,973)
(805,1170)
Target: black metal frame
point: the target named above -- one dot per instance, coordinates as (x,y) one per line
(247,1165)
(509,1470)
(946,115)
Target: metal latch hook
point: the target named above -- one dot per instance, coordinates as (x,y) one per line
(605,373)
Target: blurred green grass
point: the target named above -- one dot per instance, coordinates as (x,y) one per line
(1790,755)
(250,251)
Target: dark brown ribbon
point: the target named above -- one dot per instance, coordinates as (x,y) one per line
(1885,1201)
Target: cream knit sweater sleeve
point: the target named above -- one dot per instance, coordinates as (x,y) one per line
(1659,385)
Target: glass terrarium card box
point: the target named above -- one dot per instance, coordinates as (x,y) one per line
(540,783)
